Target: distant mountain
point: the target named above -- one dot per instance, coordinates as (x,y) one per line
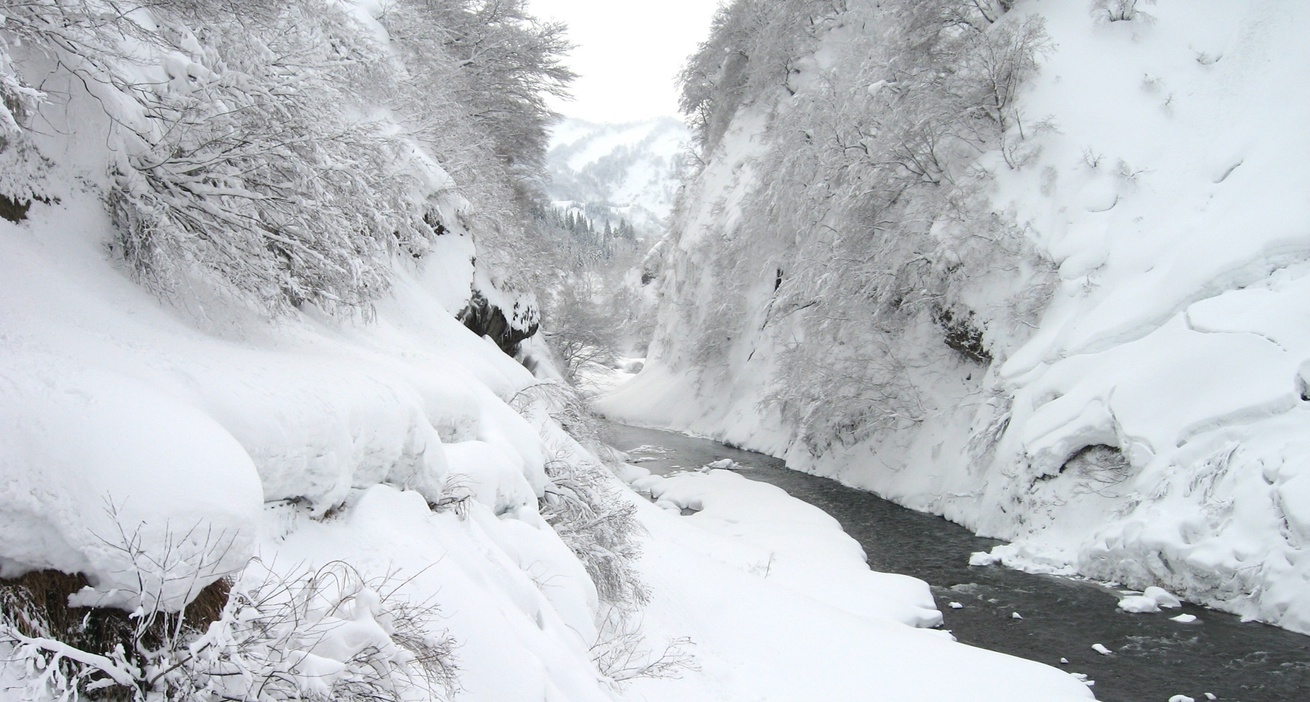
(630,171)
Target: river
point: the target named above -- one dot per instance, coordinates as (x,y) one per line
(1154,658)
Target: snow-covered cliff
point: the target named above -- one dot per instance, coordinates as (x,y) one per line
(1038,268)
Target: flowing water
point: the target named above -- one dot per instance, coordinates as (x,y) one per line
(1154,658)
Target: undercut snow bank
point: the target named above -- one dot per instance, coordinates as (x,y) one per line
(121,416)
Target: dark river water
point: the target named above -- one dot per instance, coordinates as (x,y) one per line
(1154,658)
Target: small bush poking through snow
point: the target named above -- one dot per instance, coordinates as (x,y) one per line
(582,503)
(963,335)
(593,518)
(23,169)
(599,526)
(330,634)
(1100,465)
(621,653)
(57,641)
(1118,10)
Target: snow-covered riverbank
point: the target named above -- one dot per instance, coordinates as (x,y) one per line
(363,426)
(781,606)
(141,440)
(1136,412)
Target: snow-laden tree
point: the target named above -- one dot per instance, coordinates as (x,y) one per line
(753,47)
(268,166)
(22,167)
(477,76)
(252,156)
(513,63)
(867,219)
(592,311)
(270,150)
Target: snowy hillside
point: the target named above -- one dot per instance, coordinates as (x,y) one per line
(1060,302)
(261,437)
(632,169)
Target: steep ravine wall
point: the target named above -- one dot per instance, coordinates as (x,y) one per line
(1142,415)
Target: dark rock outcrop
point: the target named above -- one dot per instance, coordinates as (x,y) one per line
(508,330)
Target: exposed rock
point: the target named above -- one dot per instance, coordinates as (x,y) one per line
(508,331)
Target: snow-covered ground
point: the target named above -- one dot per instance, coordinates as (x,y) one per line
(156,446)
(301,442)
(781,606)
(304,442)
(1152,429)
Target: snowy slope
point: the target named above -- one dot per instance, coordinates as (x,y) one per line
(633,169)
(1161,396)
(114,398)
(1174,334)
(391,470)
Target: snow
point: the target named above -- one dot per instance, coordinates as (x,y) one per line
(632,169)
(1170,193)
(362,425)
(474,569)
(176,442)
(781,606)
(187,440)
(300,442)
(1151,600)
(794,544)
(1206,356)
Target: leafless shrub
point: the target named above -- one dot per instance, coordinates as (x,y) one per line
(37,617)
(564,405)
(455,494)
(583,504)
(599,524)
(962,334)
(74,641)
(327,634)
(600,527)
(1099,466)
(622,654)
(1119,10)
(579,330)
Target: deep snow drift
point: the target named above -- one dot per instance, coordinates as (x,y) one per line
(1150,428)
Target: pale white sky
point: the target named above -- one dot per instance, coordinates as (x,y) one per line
(628,52)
